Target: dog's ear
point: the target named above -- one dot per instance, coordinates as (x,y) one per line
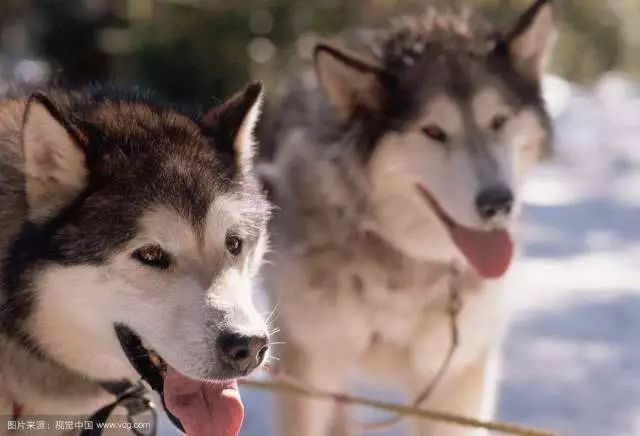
(54,160)
(233,123)
(350,81)
(529,43)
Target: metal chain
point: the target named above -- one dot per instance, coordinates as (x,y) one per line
(133,399)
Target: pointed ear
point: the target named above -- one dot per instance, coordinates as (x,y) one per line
(233,123)
(529,43)
(55,163)
(350,81)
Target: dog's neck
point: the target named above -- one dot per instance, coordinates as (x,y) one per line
(401,267)
(35,381)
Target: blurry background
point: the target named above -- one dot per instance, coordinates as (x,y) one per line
(571,356)
(195,49)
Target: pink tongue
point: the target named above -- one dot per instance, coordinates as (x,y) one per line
(490,253)
(204,408)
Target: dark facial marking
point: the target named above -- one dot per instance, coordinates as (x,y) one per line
(139,155)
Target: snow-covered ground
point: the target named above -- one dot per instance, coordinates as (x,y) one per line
(572,353)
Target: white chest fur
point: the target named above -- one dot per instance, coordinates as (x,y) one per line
(383,309)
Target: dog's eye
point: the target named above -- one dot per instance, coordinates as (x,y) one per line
(498,122)
(234,245)
(153,255)
(435,133)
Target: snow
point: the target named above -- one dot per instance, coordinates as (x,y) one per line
(571,355)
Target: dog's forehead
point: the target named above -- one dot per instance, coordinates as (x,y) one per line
(482,103)
(126,121)
(442,109)
(486,103)
(230,212)
(454,88)
(153,155)
(459,75)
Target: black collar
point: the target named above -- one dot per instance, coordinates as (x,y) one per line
(133,397)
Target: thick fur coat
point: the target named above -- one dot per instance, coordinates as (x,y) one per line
(122,217)
(383,153)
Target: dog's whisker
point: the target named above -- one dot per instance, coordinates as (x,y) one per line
(270,317)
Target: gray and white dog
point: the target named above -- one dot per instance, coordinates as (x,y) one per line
(400,154)
(129,237)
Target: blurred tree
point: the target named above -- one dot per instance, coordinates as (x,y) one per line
(197,49)
(68,33)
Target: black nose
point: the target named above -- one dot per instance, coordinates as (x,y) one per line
(242,352)
(494,201)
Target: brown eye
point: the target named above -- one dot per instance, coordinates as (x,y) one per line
(498,123)
(153,256)
(435,133)
(234,245)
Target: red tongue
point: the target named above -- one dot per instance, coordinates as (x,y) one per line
(204,408)
(490,253)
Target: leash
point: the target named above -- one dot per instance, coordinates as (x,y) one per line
(450,418)
(132,398)
(287,384)
(454,307)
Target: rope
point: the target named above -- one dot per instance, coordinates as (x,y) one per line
(284,383)
(454,307)
(288,387)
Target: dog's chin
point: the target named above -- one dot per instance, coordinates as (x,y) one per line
(191,403)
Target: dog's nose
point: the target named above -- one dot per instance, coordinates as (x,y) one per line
(494,201)
(242,352)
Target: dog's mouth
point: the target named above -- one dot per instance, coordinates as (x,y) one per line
(489,252)
(199,407)
(146,361)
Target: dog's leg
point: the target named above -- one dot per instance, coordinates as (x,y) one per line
(471,392)
(300,416)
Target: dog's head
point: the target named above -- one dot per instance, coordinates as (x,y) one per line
(146,227)
(456,116)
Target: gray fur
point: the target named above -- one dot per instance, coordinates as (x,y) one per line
(351,296)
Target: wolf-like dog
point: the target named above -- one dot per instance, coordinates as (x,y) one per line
(400,157)
(130,234)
